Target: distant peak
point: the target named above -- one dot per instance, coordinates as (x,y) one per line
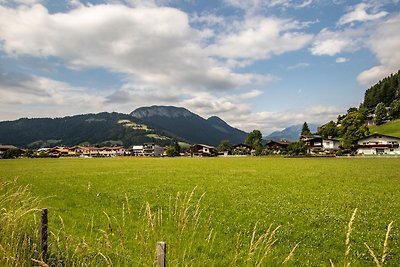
(161,111)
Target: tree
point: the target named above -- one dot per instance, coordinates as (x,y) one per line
(254,139)
(305,130)
(171,151)
(352,128)
(394,110)
(225,145)
(12,153)
(329,130)
(380,114)
(298,148)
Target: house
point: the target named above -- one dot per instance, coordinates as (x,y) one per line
(58,151)
(152,150)
(318,144)
(241,149)
(201,150)
(112,151)
(137,151)
(378,144)
(277,146)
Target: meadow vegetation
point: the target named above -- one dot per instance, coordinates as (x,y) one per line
(251,211)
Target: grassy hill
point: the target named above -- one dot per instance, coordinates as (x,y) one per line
(391,128)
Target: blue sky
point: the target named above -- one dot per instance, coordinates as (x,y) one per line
(256,64)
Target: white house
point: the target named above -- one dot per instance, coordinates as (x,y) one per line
(378,144)
(319,144)
(137,151)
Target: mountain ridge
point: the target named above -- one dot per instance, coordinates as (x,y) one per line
(114,128)
(188,125)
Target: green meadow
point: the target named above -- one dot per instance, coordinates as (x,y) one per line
(245,211)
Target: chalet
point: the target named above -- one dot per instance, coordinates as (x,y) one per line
(318,144)
(378,144)
(201,150)
(112,151)
(277,146)
(241,149)
(58,151)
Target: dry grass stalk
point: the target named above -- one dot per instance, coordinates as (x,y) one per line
(237,250)
(349,229)
(372,253)
(385,248)
(291,254)
(386,243)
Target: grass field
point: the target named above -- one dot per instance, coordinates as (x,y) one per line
(390,128)
(102,201)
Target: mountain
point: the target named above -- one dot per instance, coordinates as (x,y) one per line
(161,125)
(291,133)
(181,123)
(102,129)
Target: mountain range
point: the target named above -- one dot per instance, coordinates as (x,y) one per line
(163,125)
(291,133)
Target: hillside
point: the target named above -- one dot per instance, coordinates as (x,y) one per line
(390,128)
(89,129)
(180,122)
(385,91)
(162,125)
(291,133)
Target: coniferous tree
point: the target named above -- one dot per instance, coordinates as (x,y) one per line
(380,114)
(305,130)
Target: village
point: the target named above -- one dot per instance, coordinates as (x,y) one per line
(375,144)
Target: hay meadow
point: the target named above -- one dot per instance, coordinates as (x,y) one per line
(244,211)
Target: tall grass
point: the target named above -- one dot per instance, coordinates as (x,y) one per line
(183,225)
(18,234)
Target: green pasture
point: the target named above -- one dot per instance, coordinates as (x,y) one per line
(390,128)
(310,199)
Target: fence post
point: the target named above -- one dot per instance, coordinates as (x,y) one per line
(43,235)
(161,254)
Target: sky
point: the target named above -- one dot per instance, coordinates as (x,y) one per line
(256,64)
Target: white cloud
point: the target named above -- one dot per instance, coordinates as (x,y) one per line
(360,14)
(385,43)
(257,5)
(155,45)
(43,97)
(300,65)
(342,60)
(331,43)
(259,38)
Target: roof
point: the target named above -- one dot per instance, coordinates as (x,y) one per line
(379,135)
(282,142)
(241,145)
(204,145)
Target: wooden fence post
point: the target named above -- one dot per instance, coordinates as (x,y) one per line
(161,254)
(43,235)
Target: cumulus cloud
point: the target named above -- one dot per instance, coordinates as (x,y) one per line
(360,14)
(39,96)
(259,38)
(385,43)
(330,43)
